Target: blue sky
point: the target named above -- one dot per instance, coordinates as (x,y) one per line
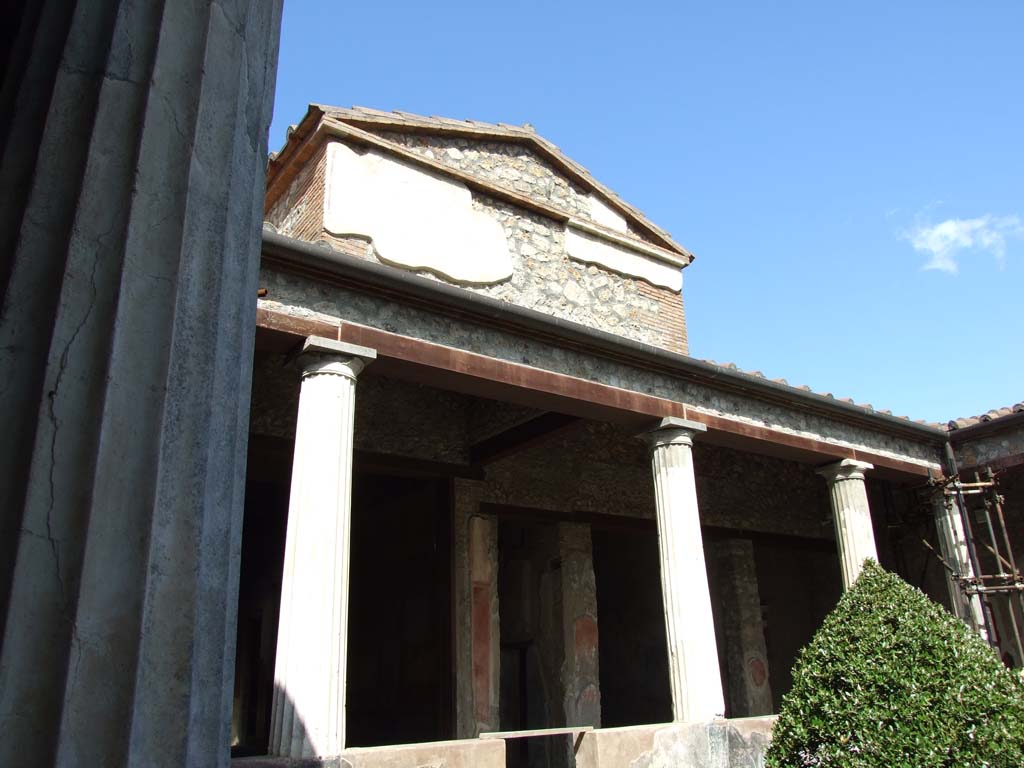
(850,175)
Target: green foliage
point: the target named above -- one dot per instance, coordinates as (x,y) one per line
(891,680)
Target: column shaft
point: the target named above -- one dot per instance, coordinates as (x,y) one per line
(689,625)
(485,624)
(855,537)
(308,717)
(953,545)
(580,671)
(131,195)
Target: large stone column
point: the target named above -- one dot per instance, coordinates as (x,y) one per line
(308,717)
(848,494)
(953,544)
(132,157)
(690,630)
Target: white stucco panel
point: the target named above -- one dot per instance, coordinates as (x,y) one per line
(416,220)
(603,214)
(583,247)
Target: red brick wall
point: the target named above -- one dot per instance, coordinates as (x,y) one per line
(670,318)
(299,212)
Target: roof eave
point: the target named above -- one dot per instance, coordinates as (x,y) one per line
(322,261)
(986,428)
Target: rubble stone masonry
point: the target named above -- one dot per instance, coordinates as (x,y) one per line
(544,277)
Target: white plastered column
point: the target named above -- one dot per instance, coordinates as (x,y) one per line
(953,544)
(848,494)
(308,717)
(689,626)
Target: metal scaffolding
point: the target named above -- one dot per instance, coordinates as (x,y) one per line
(993,577)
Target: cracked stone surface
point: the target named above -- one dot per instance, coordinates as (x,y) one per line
(133,180)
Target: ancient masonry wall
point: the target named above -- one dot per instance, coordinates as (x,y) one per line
(544,277)
(602,469)
(299,212)
(509,164)
(300,297)
(994,449)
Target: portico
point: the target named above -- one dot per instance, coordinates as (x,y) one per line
(539,450)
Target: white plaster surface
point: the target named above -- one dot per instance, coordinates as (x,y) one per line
(689,625)
(415,219)
(471,753)
(603,214)
(855,537)
(589,249)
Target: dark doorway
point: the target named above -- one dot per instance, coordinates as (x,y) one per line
(399,658)
(268,477)
(532,644)
(633,653)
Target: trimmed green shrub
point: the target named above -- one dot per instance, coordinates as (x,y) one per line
(891,680)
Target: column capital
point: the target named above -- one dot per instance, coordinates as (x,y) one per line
(847,469)
(320,355)
(672,430)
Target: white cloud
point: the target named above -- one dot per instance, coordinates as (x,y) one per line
(944,241)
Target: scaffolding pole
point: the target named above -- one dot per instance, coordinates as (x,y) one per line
(987,504)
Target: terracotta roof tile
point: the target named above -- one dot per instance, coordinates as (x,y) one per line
(866,407)
(993,415)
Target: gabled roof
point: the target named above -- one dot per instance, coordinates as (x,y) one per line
(364,118)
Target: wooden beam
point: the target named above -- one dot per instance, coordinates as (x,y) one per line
(407,466)
(520,437)
(483,376)
(470,373)
(604,521)
(593,519)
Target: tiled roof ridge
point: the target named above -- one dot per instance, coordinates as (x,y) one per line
(992,415)
(867,407)
(400,116)
(524,132)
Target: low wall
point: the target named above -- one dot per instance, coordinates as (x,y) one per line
(738,743)
(469,753)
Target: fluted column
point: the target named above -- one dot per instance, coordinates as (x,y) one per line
(689,625)
(855,538)
(132,158)
(953,545)
(308,718)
